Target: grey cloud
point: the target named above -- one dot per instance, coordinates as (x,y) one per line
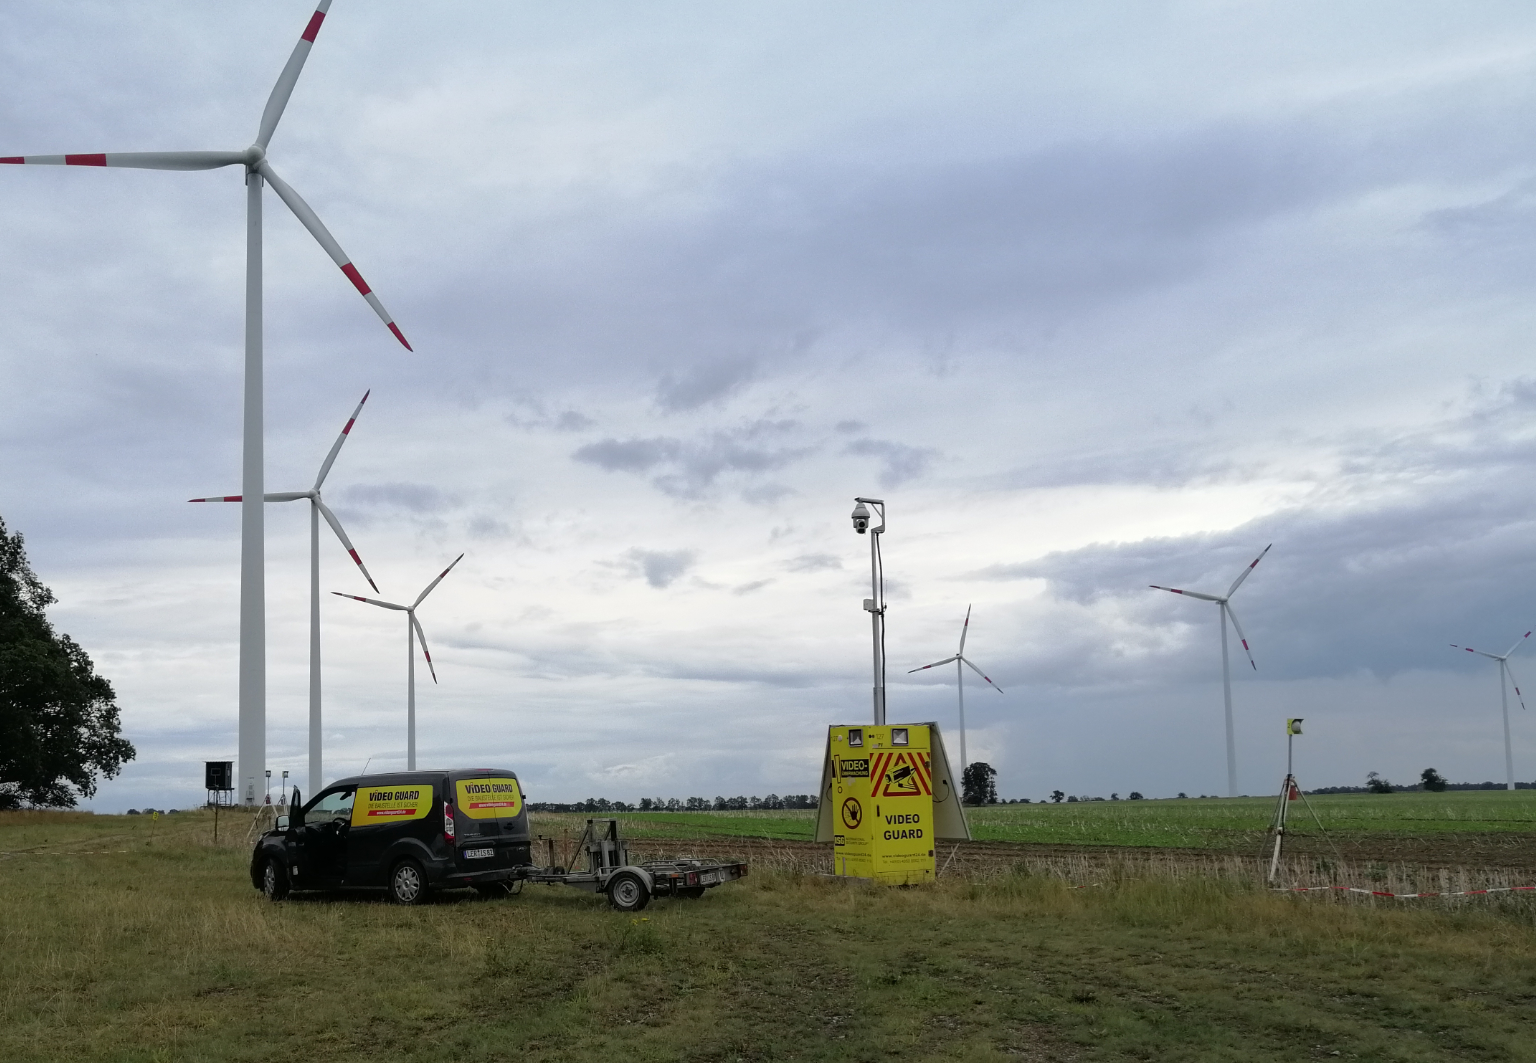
(749,588)
(628,455)
(814,562)
(767,494)
(573,421)
(850,427)
(662,568)
(899,462)
(416,498)
(703,384)
(1381,588)
(690,468)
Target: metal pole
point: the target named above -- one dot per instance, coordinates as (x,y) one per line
(1509,757)
(315,773)
(960,676)
(1226,691)
(410,704)
(253,603)
(875,620)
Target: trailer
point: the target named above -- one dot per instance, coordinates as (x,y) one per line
(629,886)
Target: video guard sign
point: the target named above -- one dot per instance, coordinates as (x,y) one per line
(887,797)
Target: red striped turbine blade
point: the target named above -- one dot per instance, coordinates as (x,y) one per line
(311,221)
(277,102)
(422,635)
(138,160)
(217,498)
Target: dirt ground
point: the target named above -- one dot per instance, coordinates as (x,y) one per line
(1504,852)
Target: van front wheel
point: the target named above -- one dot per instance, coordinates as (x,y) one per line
(407,883)
(627,893)
(274,880)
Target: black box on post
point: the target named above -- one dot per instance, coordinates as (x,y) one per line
(219,774)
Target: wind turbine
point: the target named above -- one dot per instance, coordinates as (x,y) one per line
(1226,671)
(412,630)
(960,658)
(317,509)
(258,171)
(1506,680)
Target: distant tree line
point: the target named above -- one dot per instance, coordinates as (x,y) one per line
(771,803)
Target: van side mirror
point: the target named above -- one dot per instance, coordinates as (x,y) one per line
(282,822)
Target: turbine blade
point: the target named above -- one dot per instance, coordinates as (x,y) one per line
(422,635)
(311,221)
(284,496)
(218,498)
(1518,643)
(983,675)
(965,629)
(1187,594)
(373,601)
(290,76)
(935,664)
(1241,637)
(422,596)
(1244,575)
(325,466)
(330,518)
(1515,683)
(139,160)
(1480,653)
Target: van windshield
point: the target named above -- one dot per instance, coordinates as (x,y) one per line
(334,805)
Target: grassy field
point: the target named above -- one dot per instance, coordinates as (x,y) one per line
(119,945)
(1192,823)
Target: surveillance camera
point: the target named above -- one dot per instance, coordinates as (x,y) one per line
(861,518)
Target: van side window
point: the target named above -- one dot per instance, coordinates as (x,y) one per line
(336,804)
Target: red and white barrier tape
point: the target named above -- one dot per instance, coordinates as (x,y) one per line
(1405,896)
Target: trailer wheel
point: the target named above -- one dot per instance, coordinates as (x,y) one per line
(274,880)
(627,892)
(408,883)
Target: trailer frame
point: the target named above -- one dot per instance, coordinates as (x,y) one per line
(629,886)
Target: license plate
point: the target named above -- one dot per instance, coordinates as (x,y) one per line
(709,878)
(479,854)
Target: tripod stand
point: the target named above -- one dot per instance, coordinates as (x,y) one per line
(1289,792)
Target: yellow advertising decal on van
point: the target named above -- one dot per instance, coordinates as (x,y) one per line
(490,798)
(376,805)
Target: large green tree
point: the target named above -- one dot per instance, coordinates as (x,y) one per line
(59,729)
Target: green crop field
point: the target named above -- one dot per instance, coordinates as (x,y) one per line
(127,940)
(1208,823)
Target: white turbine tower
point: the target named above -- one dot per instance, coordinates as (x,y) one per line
(412,631)
(317,509)
(258,171)
(1506,680)
(961,659)
(1226,671)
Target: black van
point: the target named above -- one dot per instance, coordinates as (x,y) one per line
(407,832)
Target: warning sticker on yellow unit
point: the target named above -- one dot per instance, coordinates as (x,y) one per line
(376,805)
(490,798)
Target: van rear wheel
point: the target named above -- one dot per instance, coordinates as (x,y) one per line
(407,883)
(627,893)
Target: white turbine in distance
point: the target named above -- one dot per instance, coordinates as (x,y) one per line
(317,509)
(253,636)
(412,630)
(1223,600)
(1506,680)
(960,659)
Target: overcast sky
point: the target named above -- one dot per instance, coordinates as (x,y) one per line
(1095,295)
